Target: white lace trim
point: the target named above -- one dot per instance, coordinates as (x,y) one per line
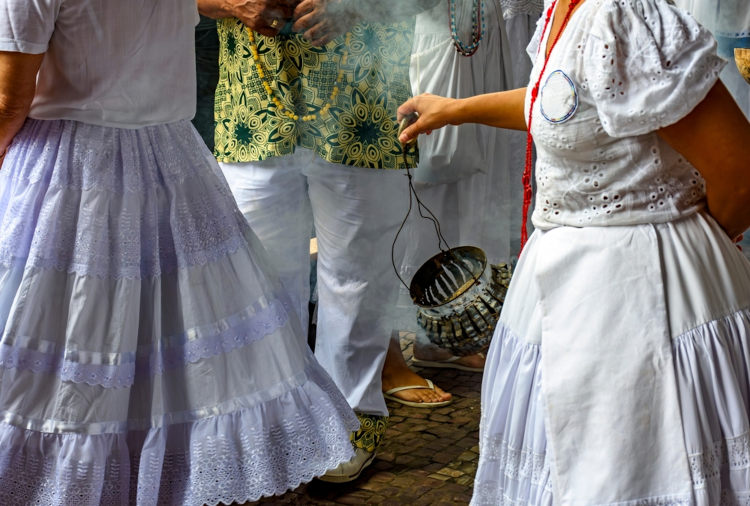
(705,467)
(97,206)
(525,465)
(262,451)
(171,352)
(528,467)
(517,463)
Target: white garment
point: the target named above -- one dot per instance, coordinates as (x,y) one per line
(453,152)
(606,165)
(594,300)
(104,72)
(630,67)
(148,353)
(356,213)
(705,282)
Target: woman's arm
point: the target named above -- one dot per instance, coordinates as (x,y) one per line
(715,139)
(503,109)
(17,86)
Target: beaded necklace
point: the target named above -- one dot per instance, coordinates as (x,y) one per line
(280,107)
(527,190)
(477,27)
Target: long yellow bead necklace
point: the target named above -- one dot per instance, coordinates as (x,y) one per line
(280,107)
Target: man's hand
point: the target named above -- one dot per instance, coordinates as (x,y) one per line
(266,17)
(321,21)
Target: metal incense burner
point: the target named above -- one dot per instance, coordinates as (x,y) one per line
(458,296)
(459,299)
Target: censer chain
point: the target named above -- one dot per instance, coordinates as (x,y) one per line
(420,206)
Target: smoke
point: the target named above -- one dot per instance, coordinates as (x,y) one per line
(384,11)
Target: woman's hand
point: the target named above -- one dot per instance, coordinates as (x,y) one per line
(321,21)
(434,112)
(502,109)
(266,17)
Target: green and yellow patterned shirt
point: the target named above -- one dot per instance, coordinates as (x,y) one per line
(359,127)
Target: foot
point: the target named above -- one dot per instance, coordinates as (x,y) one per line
(400,377)
(397,374)
(432,353)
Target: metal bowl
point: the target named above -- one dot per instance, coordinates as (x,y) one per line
(459,298)
(742,59)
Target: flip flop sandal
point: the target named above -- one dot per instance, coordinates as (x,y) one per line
(430,386)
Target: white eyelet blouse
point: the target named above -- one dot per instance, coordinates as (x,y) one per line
(621,70)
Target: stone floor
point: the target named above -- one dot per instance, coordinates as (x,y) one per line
(429,456)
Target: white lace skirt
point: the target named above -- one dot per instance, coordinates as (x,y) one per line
(707,289)
(147,355)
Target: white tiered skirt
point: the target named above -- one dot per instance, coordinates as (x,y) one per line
(148,355)
(707,285)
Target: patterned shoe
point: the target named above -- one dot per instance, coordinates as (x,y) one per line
(365,441)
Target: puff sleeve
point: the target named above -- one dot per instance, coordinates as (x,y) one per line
(648,64)
(26,26)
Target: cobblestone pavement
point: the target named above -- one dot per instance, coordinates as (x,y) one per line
(428,457)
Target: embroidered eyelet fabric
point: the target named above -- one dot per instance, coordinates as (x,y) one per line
(637,66)
(270,446)
(148,354)
(133,218)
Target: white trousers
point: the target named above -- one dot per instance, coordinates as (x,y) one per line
(356,213)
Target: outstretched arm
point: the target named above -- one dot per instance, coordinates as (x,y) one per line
(503,109)
(715,139)
(17,87)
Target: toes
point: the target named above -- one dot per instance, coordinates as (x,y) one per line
(423,395)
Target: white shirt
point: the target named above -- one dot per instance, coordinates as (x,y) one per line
(121,63)
(621,71)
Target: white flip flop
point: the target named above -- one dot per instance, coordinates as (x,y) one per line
(429,386)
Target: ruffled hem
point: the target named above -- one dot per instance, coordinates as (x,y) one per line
(714,388)
(262,450)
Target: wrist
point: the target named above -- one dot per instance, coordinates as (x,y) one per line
(456,111)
